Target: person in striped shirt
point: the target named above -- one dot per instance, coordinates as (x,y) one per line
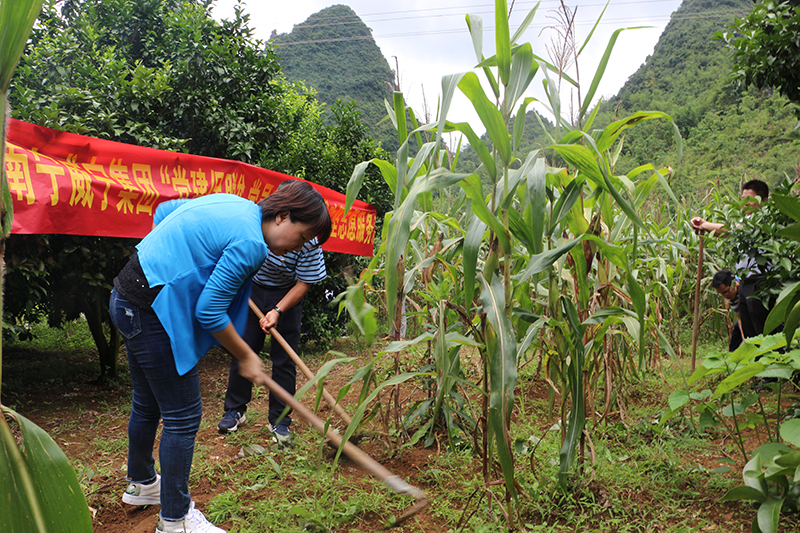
(278,290)
(727,285)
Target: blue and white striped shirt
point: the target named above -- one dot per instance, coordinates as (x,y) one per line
(283,272)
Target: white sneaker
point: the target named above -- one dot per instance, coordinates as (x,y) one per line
(193,522)
(140,494)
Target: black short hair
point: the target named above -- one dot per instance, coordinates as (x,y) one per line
(723,277)
(758,187)
(303,203)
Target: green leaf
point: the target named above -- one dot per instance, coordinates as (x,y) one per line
(678,399)
(743,493)
(16,21)
(791,232)
(537,194)
(358,415)
(525,24)
(788,205)
(523,70)
(472,246)
(601,68)
(501,350)
(769,514)
(790,432)
(475,26)
(565,202)
(473,189)
(583,160)
(613,130)
(543,261)
(8,208)
(480,148)
(792,323)
(490,116)
(502,40)
(355,183)
(737,378)
(399,228)
(753,475)
(40,489)
(786,300)
(449,85)
(577,415)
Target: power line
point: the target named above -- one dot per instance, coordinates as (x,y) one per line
(686,16)
(413,14)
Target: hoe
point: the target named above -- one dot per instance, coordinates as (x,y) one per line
(395,483)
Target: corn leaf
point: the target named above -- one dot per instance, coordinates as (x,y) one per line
(502,353)
(502,40)
(523,70)
(40,490)
(472,246)
(16,21)
(601,69)
(525,24)
(577,415)
(537,185)
(490,116)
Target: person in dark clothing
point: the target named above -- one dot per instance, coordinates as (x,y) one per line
(727,285)
(752,312)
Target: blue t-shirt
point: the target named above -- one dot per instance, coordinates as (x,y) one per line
(204,252)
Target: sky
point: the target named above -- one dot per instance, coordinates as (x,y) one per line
(428,39)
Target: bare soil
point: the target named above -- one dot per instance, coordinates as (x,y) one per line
(87,418)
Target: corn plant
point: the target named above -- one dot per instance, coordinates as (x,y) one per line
(532,255)
(40,488)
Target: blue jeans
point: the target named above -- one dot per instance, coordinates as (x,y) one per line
(159,393)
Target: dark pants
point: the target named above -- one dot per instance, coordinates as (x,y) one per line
(752,310)
(736,337)
(240,390)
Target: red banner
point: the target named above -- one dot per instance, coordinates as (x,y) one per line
(70,184)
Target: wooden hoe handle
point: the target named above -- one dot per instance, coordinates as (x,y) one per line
(395,483)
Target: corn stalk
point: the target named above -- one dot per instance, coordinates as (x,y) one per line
(42,493)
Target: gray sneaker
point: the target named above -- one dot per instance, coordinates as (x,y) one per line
(140,494)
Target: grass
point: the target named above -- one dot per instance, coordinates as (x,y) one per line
(636,475)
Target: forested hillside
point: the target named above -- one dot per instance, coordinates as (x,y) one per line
(729,134)
(334,52)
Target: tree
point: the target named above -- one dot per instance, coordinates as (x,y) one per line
(766,51)
(163,74)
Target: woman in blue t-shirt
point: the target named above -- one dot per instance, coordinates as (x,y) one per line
(186,288)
